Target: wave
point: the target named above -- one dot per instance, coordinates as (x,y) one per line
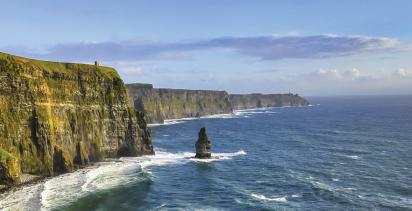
(218,156)
(243,113)
(264,198)
(354,157)
(68,188)
(182,120)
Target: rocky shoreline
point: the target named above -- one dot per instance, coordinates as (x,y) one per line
(59,117)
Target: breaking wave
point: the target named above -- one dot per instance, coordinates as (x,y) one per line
(244,113)
(264,198)
(67,188)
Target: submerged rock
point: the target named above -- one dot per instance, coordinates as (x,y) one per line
(203,145)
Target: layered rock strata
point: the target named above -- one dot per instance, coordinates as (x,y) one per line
(161,104)
(250,101)
(56,117)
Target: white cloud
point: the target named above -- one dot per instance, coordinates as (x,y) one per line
(353,74)
(337,74)
(403,73)
(129,69)
(327,73)
(265,47)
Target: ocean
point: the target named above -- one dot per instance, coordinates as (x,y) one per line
(341,153)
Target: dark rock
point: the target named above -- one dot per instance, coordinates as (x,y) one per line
(203,145)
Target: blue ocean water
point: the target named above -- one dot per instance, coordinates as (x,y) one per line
(342,153)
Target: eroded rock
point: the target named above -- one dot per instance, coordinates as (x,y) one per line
(203,145)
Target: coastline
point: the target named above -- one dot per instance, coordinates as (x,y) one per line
(30,179)
(222,115)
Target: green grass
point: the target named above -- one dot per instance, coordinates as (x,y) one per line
(5,156)
(59,68)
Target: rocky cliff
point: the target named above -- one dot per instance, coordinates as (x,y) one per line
(55,117)
(249,101)
(161,104)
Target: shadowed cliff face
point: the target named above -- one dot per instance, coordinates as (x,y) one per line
(58,116)
(161,104)
(249,101)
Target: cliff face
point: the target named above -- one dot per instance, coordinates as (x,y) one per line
(161,104)
(55,117)
(249,101)
(146,99)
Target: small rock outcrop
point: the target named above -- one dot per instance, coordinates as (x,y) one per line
(203,145)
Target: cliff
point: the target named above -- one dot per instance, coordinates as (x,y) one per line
(55,117)
(161,104)
(249,101)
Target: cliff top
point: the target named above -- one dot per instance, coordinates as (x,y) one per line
(140,85)
(261,94)
(25,65)
(144,85)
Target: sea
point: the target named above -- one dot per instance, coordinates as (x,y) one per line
(340,153)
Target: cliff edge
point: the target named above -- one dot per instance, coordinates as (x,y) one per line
(161,104)
(56,117)
(249,101)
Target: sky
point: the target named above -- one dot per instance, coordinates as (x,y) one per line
(314,48)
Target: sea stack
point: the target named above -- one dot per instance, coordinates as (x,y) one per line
(203,145)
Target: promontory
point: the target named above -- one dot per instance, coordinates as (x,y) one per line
(56,117)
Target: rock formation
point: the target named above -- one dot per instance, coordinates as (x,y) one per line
(161,104)
(56,117)
(203,145)
(249,101)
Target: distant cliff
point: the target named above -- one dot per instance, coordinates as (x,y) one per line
(248,101)
(56,117)
(161,104)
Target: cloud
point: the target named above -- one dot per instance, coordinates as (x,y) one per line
(402,73)
(341,82)
(261,47)
(338,75)
(128,69)
(321,73)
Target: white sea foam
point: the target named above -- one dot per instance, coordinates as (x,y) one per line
(274,198)
(67,188)
(182,120)
(355,157)
(18,199)
(218,157)
(322,185)
(219,116)
(243,113)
